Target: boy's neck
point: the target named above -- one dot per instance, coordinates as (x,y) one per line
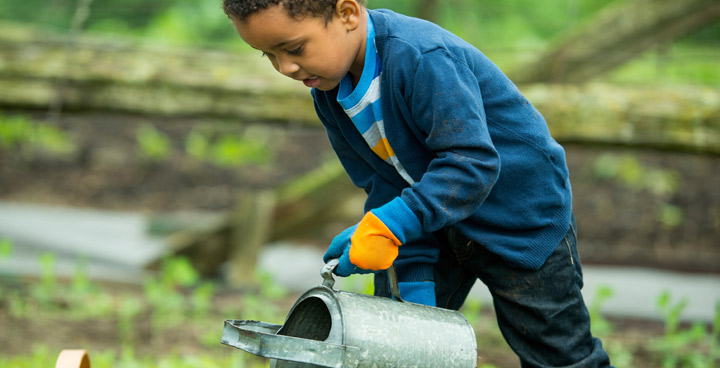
(358,64)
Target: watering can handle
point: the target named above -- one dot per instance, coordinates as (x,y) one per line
(329,280)
(261,339)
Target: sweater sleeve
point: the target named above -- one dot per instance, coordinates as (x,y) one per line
(446,105)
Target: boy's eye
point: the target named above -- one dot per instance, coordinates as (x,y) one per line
(295,51)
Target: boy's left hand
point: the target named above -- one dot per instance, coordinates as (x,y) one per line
(372,244)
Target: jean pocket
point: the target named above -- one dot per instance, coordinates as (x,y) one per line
(461,246)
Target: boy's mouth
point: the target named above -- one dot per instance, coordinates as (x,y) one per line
(313,81)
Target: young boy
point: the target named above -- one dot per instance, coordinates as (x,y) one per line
(464,181)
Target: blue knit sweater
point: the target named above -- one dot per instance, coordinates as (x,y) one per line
(480,154)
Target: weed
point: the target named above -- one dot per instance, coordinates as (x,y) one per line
(21,134)
(129,308)
(599,325)
(197,145)
(46,289)
(234,151)
(661,183)
(227,150)
(152,144)
(6,248)
(685,347)
(201,300)
(165,298)
(621,355)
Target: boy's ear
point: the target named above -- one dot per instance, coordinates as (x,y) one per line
(349,13)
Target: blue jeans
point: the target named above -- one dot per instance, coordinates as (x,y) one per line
(541,313)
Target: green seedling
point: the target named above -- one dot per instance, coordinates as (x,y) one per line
(152,144)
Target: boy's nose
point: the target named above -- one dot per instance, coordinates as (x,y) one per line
(287,67)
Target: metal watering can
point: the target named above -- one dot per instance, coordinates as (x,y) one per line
(333,328)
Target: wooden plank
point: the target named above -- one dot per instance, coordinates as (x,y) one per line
(251,224)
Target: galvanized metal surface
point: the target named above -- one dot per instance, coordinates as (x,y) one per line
(260,338)
(331,328)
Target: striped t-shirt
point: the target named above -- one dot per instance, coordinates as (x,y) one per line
(362,105)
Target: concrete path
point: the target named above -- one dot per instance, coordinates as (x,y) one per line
(114,246)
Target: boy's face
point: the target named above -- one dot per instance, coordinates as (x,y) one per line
(307,49)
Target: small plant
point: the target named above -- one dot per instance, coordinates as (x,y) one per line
(227,150)
(661,183)
(84,298)
(600,326)
(6,248)
(201,300)
(165,292)
(45,290)
(197,145)
(5,252)
(21,134)
(234,151)
(129,308)
(685,347)
(152,144)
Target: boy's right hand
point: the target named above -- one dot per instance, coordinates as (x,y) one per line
(372,244)
(340,248)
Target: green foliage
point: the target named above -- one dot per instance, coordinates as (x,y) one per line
(693,346)
(627,171)
(684,62)
(620,355)
(503,24)
(45,290)
(188,21)
(129,308)
(227,150)
(231,151)
(472,309)
(6,248)
(152,144)
(599,324)
(19,133)
(165,294)
(176,295)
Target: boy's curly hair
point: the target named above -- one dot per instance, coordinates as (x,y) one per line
(242,9)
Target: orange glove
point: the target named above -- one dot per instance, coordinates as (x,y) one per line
(374,246)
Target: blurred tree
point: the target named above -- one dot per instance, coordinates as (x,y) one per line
(427,9)
(124,14)
(615,36)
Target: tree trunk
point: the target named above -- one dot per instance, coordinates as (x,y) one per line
(615,36)
(427,9)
